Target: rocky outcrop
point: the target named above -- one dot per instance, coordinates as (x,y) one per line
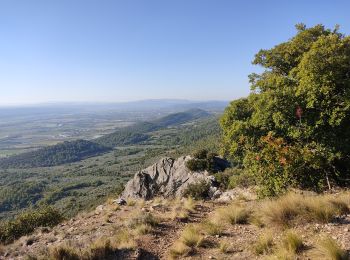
(167,178)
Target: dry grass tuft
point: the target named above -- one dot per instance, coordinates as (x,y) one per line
(233,214)
(264,244)
(292,208)
(102,249)
(211,228)
(331,250)
(224,247)
(125,239)
(179,249)
(189,204)
(64,252)
(131,202)
(143,229)
(292,242)
(142,218)
(191,236)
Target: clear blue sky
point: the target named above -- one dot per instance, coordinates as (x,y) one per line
(120,50)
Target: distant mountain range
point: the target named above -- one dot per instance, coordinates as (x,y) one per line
(72,151)
(168,105)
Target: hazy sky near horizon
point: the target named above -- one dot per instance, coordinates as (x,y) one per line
(121,50)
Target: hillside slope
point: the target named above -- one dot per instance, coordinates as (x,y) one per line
(187,229)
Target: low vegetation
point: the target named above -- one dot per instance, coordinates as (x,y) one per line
(293,208)
(233,214)
(198,190)
(205,161)
(264,244)
(27,222)
(331,250)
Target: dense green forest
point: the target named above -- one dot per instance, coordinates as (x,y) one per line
(78,150)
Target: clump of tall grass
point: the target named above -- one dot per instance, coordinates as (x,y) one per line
(292,208)
(131,202)
(292,242)
(232,214)
(179,249)
(182,209)
(331,250)
(189,204)
(224,247)
(64,252)
(142,218)
(211,228)
(191,236)
(190,239)
(264,244)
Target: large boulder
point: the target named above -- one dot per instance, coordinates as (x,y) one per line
(167,178)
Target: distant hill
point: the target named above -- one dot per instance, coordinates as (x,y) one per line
(73,151)
(138,133)
(61,153)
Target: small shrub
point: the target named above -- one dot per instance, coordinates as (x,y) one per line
(331,250)
(241,178)
(264,244)
(204,161)
(196,165)
(199,190)
(27,222)
(200,154)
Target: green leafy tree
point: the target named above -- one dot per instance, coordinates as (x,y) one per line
(299,108)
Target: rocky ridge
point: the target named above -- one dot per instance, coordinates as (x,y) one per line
(168,178)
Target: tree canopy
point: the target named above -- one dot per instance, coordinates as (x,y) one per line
(294,127)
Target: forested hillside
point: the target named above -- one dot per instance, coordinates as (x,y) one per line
(139,132)
(65,152)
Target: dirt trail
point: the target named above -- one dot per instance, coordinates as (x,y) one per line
(157,244)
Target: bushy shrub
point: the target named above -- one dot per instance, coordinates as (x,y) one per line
(277,165)
(198,190)
(25,223)
(196,164)
(206,161)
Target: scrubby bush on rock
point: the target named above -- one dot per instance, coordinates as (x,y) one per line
(206,161)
